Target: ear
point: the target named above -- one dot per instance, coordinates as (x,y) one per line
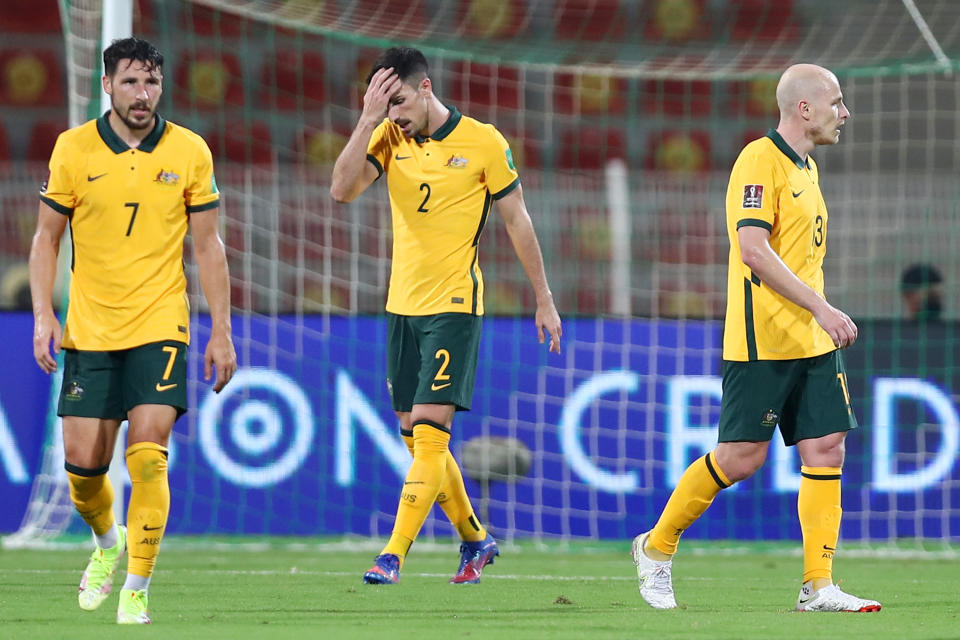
(107,87)
(803,108)
(426,87)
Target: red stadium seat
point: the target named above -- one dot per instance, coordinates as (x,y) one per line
(242,143)
(592,20)
(30,78)
(755,97)
(204,21)
(681,151)
(30,16)
(493,18)
(320,147)
(675,21)
(4,147)
(762,20)
(293,80)
(43,137)
(588,148)
(406,20)
(472,84)
(680,98)
(586,93)
(689,238)
(209,80)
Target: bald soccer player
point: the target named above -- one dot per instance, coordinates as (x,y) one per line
(782,362)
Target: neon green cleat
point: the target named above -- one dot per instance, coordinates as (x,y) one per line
(97,580)
(133,607)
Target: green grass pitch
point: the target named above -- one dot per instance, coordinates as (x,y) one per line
(314,591)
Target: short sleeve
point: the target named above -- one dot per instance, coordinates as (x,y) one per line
(378,151)
(501,173)
(202,193)
(59,191)
(751,194)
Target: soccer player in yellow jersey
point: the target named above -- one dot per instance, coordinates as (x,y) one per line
(782,364)
(443,171)
(129,184)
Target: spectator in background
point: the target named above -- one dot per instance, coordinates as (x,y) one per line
(922,293)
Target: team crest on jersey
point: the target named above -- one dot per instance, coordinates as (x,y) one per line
(753,196)
(456,162)
(770,418)
(168,178)
(74,391)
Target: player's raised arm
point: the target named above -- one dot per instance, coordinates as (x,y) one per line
(520,229)
(352,173)
(215,280)
(43,273)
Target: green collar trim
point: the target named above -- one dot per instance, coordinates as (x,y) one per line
(113,141)
(452,121)
(787,149)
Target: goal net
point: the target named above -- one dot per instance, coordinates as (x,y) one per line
(624,119)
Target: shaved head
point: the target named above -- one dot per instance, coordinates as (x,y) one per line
(803,82)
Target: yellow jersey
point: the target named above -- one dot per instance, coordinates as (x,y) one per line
(128,213)
(441,189)
(773,188)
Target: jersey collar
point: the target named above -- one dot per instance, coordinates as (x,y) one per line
(113,141)
(452,121)
(787,149)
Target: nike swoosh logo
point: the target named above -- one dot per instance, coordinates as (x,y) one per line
(797,194)
(92,178)
(146,528)
(436,387)
(829,548)
(165,387)
(402,157)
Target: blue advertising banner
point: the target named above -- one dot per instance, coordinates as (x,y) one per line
(303,441)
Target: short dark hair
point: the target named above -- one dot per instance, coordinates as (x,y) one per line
(132,48)
(920,276)
(406,62)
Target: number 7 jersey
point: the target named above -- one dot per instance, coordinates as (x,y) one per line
(128,214)
(441,189)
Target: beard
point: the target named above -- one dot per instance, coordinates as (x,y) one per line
(128,120)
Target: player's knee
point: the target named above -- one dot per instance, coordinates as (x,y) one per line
(740,460)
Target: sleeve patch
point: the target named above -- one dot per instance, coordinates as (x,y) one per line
(753,196)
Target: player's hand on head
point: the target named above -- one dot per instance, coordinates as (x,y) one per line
(46,329)
(548,323)
(376,100)
(220,355)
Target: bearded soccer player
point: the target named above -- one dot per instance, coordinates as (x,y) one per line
(782,363)
(129,184)
(443,171)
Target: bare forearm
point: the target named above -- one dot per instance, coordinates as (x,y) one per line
(43,273)
(527,247)
(774,273)
(215,281)
(349,169)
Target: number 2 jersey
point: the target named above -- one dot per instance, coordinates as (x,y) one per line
(128,215)
(441,189)
(773,188)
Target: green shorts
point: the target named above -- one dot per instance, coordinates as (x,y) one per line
(432,359)
(107,384)
(808,398)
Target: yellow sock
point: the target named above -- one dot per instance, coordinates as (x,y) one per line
(453,498)
(818,505)
(92,495)
(421,486)
(698,486)
(149,505)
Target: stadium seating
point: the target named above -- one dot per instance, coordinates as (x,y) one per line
(209,81)
(30,16)
(472,84)
(591,20)
(293,80)
(43,137)
(30,77)
(493,19)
